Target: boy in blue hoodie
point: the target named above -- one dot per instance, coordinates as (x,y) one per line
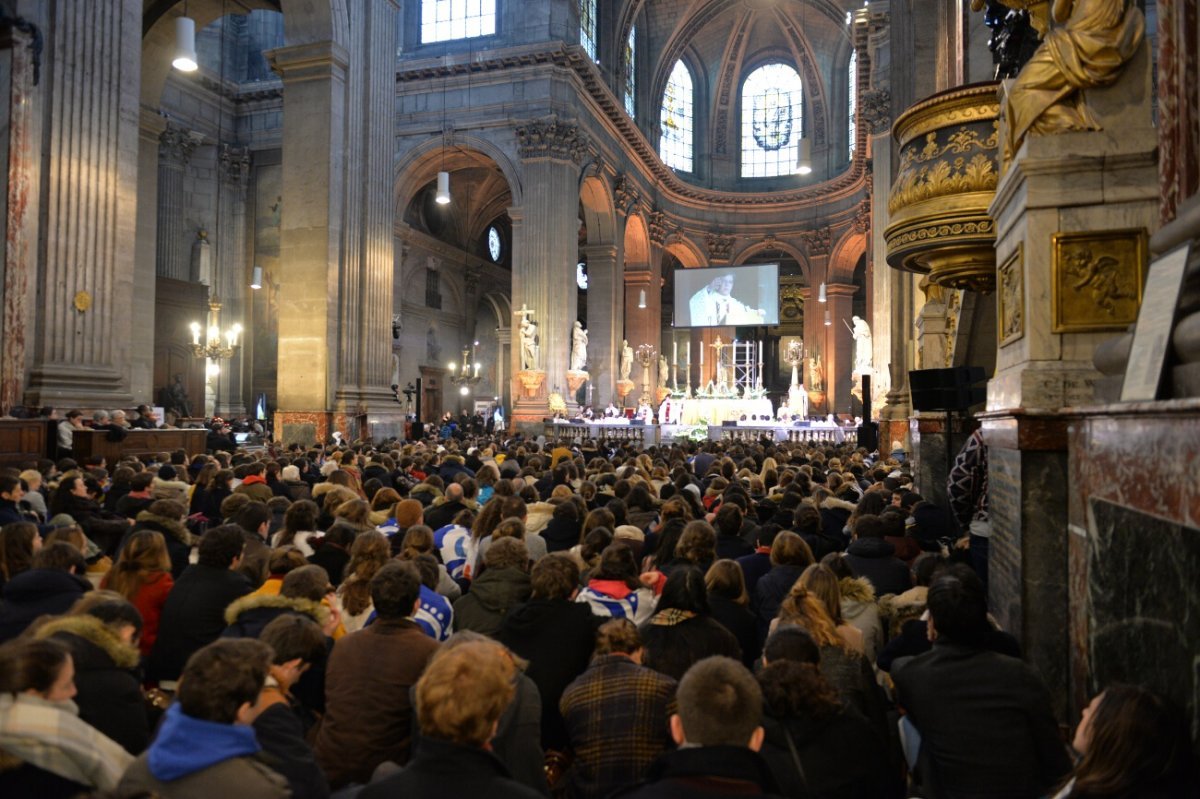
(206,747)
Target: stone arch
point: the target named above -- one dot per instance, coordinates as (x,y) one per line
(598,211)
(421,163)
(637,242)
(844,256)
(686,251)
(775,245)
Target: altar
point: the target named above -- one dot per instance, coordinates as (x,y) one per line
(716,410)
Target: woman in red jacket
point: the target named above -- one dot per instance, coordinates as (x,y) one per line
(142,575)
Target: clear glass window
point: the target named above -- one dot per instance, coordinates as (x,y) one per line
(587,26)
(771,121)
(676,142)
(444,20)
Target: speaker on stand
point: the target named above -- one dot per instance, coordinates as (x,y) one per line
(868,431)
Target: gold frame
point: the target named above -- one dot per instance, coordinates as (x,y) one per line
(1014,262)
(1074,313)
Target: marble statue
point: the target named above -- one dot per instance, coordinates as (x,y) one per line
(664,371)
(579,343)
(862,346)
(626,359)
(178,397)
(529,344)
(816,373)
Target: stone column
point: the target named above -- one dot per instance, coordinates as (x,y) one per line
(20,218)
(606,320)
(151,126)
(233,170)
(172,237)
(314,79)
(88,202)
(365,288)
(838,351)
(545,251)
(643,325)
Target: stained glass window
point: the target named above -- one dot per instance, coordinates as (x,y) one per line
(587,26)
(675,144)
(771,121)
(495,246)
(631,74)
(852,98)
(443,20)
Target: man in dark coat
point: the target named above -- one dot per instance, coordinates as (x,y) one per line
(53,584)
(369,711)
(719,732)
(501,586)
(194,614)
(555,634)
(300,595)
(872,557)
(983,718)
(443,511)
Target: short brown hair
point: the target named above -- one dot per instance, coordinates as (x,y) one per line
(507,553)
(697,543)
(555,576)
(286,559)
(619,636)
(308,582)
(223,676)
(511,527)
(293,637)
(720,703)
(725,579)
(463,692)
(789,549)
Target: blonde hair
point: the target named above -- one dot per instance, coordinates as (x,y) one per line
(464,691)
(805,610)
(822,583)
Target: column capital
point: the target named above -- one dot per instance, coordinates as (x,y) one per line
(234,164)
(176,145)
(552,139)
(840,289)
(599,250)
(300,63)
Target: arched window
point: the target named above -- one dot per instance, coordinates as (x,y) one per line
(675,144)
(852,98)
(443,20)
(631,74)
(771,121)
(587,26)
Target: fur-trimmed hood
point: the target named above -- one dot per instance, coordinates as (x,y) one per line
(314,610)
(94,631)
(168,526)
(833,503)
(856,589)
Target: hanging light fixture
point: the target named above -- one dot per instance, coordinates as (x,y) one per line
(185,43)
(821,294)
(443,185)
(256,278)
(642,298)
(804,162)
(828,318)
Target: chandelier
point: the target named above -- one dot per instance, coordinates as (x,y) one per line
(465,375)
(216,345)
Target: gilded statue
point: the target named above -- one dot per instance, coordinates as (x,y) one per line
(1087,47)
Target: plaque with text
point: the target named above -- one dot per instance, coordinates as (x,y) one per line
(1152,336)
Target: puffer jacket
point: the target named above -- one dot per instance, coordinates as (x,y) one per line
(860,610)
(492,595)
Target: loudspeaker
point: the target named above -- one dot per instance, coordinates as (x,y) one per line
(868,436)
(953,389)
(866,394)
(420,399)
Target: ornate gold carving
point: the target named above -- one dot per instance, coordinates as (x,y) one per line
(1010,298)
(1096,279)
(82,301)
(981,227)
(953,312)
(947,176)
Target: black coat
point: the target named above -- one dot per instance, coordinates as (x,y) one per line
(557,637)
(843,757)
(561,534)
(873,558)
(333,560)
(281,736)
(706,771)
(193,616)
(440,769)
(247,616)
(769,594)
(672,649)
(37,592)
(438,516)
(110,691)
(733,547)
(740,621)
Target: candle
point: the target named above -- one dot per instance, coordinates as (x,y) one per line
(689,352)
(195,332)
(674,351)
(701,353)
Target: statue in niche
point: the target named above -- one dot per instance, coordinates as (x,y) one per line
(664,371)
(433,349)
(862,346)
(177,399)
(579,344)
(626,359)
(529,344)
(816,374)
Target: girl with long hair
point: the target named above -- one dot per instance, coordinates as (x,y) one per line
(368,554)
(142,574)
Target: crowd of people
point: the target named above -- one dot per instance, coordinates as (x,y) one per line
(490,615)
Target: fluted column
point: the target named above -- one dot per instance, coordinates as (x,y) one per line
(88,202)
(233,172)
(173,241)
(314,79)
(545,252)
(606,320)
(839,346)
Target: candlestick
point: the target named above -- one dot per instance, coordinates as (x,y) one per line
(674,352)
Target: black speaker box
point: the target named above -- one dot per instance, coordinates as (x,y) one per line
(955,389)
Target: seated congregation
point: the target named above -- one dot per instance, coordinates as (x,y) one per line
(494,616)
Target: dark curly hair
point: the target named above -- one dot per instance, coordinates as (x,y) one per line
(797,690)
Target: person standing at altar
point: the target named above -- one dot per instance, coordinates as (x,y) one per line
(611,411)
(785,411)
(645,412)
(670,410)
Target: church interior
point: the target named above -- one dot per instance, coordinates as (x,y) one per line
(345,215)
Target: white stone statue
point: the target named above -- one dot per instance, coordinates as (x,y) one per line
(626,359)
(664,371)
(579,343)
(529,344)
(862,346)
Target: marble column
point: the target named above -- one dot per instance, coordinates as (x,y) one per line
(88,202)
(365,288)
(545,251)
(314,80)
(233,276)
(643,325)
(151,126)
(1178,105)
(20,218)
(606,320)
(838,352)
(173,239)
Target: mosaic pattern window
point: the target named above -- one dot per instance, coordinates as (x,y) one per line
(587,26)
(771,121)
(676,142)
(631,74)
(852,98)
(444,20)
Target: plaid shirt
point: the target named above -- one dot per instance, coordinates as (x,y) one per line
(51,736)
(616,715)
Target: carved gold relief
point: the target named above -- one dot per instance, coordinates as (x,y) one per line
(1010,296)
(953,312)
(1096,280)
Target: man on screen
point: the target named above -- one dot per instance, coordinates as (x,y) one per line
(712,305)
